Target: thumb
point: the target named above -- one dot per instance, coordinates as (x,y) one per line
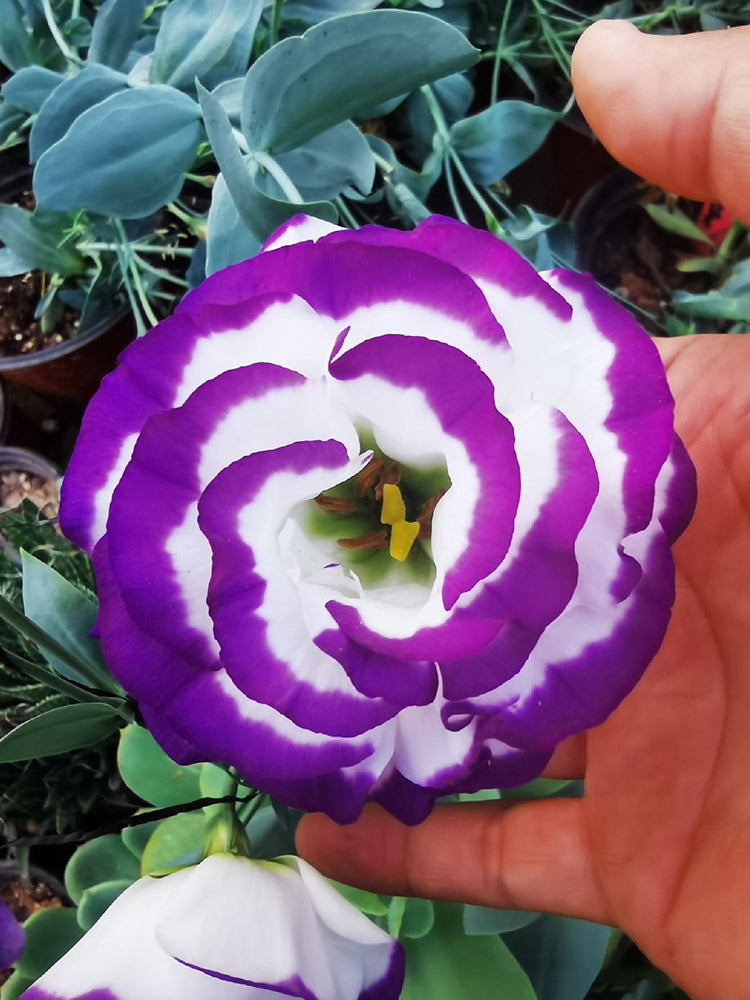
(672,108)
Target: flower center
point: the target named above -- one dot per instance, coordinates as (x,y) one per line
(382,517)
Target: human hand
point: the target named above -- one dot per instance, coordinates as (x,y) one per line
(659,844)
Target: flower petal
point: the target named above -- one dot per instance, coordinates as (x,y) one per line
(178,453)
(459,395)
(306,940)
(559,484)
(120,958)
(161,369)
(11,937)
(266,645)
(302,768)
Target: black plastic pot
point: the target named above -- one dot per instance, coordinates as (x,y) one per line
(613,200)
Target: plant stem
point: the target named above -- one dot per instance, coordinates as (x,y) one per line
(499,52)
(62,45)
(285,182)
(128,259)
(159,272)
(275,22)
(452,189)
(344,210)
(167,251)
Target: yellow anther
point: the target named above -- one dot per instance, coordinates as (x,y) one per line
(393,509)
(403,535)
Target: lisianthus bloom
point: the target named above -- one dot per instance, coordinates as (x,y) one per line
(381,515)
(229,929)
(11,938)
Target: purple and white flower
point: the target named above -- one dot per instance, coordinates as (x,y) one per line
(12,938)
(382,515)
(229,929)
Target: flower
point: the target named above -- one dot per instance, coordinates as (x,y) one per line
(12,938)
(381,515)
(229,929)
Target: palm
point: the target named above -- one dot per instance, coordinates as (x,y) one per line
(667,797)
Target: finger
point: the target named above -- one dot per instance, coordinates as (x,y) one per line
(673,108)
(531,856)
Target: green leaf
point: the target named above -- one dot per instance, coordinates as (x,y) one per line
(228,239)
(51,647)
(92,85)
(305,85)
(486,920)
(498,139)
(446,964)
(77,32)
(701,265)
(127,156)
(151,774)
(561,956)
(135,838)
(11,119)
(15,41)
(37,240)
(30,87)
(177,841)
(418,918)
(59,730)
(99,898)
(539,788)
(718,304)
(50,934)
(198,36)
(366,902)
(260,213)
(215,783)
(116,27)
(675,221)
(62,610)
(396,910)
(325,165)
(104,859)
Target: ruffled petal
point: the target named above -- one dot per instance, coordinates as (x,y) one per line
(178,453)
(302,768)
(266,644)
(161,369)
(559,485)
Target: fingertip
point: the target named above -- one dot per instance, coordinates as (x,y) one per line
(672,108)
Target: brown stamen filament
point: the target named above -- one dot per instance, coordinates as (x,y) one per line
(369,476)
(424,517)
(391,475)
(371,540)
(335,505)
